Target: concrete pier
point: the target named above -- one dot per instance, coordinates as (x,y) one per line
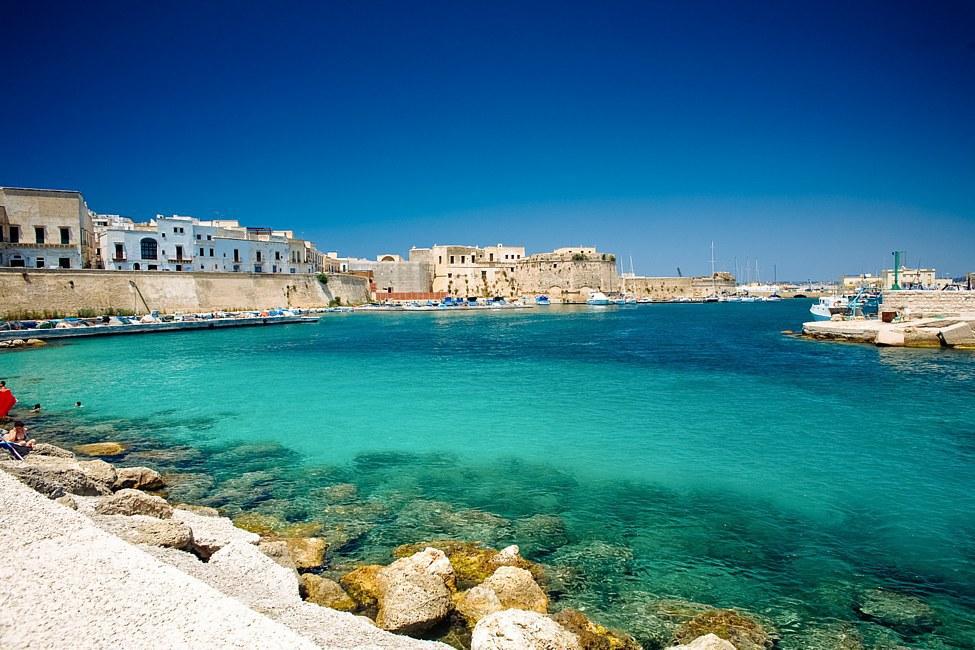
(953,332)
(147,328)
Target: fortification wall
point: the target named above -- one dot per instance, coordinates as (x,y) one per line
(566,280)
(38,293)
(669,288)
(930,303)
(403,277)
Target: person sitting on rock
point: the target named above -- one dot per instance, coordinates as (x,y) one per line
(16,442)
(18,436)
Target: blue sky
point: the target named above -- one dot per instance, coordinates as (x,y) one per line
(815,137)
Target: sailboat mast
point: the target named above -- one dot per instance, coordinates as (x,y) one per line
(714,290)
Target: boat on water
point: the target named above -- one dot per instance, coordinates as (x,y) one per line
(643,301)
(773,298)
(542,301)
(863,303)
(598,298)
(827,306)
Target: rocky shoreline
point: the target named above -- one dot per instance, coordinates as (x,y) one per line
(437,593)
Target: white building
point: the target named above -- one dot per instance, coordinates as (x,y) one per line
(179,243)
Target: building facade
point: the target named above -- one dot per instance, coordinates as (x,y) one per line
(183,244)
(44,229)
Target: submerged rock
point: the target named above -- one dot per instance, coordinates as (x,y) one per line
(706,642)
(515,629)
(540,534)
(101,449)
(343,493)
(139,478)
(900,611)
(743,632)
(426,519)
(654,621)
(592,635)
(134,502)
(325,592)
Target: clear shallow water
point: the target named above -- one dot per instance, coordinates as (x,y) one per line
(683,451)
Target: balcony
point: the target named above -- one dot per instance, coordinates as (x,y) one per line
(123,258)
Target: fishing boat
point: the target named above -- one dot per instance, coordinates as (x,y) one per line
(542,301)
(598,298)
(827,306)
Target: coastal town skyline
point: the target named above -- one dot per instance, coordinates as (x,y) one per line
(620,127)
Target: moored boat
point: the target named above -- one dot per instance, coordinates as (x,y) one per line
(597,298)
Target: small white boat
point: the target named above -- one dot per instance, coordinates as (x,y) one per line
(643,301)
(829,305)
(597,298)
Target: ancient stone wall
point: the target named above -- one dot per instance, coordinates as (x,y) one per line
(669,288)
(565,280)
(930,303)
(39,293)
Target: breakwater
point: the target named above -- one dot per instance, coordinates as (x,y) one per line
(34,293)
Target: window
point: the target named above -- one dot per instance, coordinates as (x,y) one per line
(257,268)
(149,248)
(64,262)
(450,275)
(39,234)
(490,257)
(211,252)
(179,255)
(14,235)
(209,237)
(199,236)
(119,252)
(175,230)
(135,267)
(236,255)
(201,252)
(440,260)
(163,235)
(152,267)
(277,255)
(179,267)
(39,263)
(451,259)
(461,259)
(17,261)
(258,257)
(65,236)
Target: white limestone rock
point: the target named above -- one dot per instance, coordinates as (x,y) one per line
(517,589)
(516,629)
(413,592)
(707,642)
(139,478)
(241,570)
(210,534)
(134,502)
(142,529)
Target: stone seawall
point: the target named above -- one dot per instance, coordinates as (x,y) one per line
(930,303)
(31,293)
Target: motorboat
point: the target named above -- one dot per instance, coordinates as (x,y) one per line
(542,301)
(598,298)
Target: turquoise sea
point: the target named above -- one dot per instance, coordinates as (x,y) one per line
(644,454)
